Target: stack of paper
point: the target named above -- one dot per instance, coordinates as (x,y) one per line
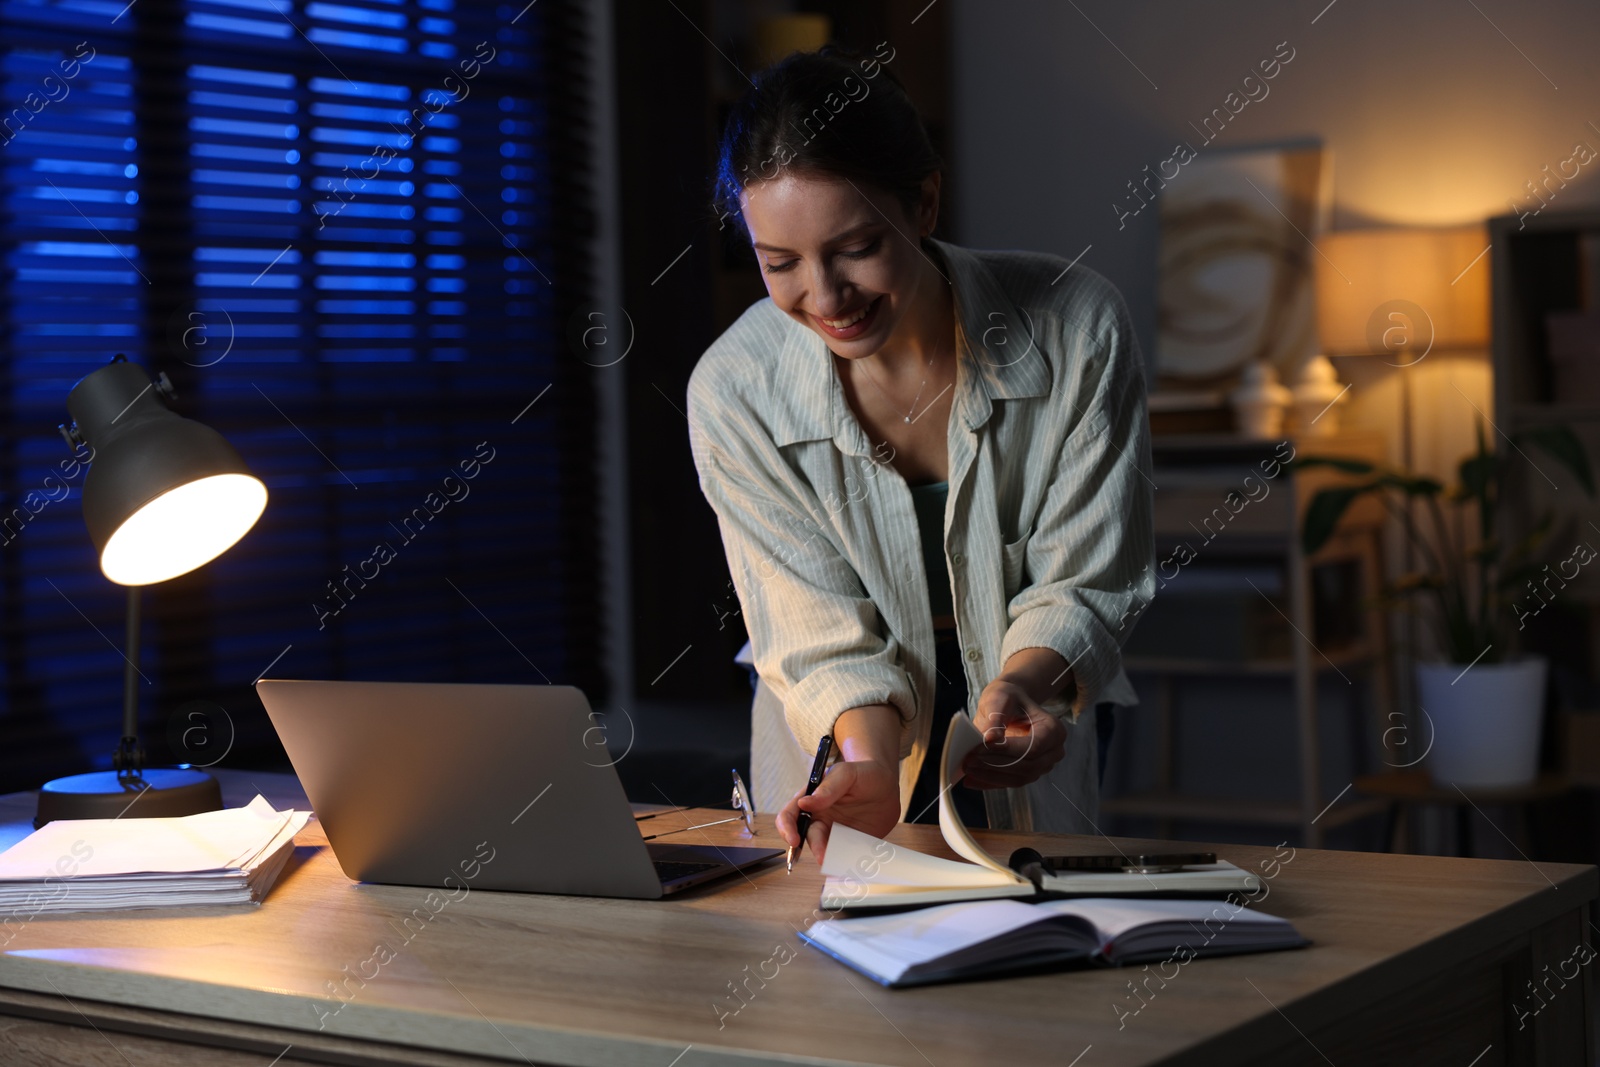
(217,857)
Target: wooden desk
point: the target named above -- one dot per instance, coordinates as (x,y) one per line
(1417,959)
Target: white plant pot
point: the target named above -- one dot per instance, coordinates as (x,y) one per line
(1486,722)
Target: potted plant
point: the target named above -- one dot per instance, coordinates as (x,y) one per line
(1485,704)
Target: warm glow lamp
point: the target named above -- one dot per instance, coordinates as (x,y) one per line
(163,496)
(1371,281)
(1401,294)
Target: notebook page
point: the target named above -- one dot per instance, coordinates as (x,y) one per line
(962,737)
(853,855)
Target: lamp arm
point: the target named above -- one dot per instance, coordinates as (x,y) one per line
(129,757)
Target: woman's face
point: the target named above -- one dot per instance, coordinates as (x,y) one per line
(842,259)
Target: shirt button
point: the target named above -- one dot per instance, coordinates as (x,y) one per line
(958,559)
(974,655)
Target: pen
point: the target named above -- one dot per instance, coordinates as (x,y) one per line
(803,823)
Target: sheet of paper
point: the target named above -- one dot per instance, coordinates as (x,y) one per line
(211,841)
(961,738)
(873,861)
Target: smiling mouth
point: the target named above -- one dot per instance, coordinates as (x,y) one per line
(848,326)
(839,324)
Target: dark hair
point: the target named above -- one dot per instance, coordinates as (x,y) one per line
(833,112)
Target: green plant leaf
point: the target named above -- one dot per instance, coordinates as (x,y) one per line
(1325,511)
(1410,484)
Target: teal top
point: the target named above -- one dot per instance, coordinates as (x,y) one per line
(929,500)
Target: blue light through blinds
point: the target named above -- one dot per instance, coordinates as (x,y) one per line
(71,289)
(360,238)
(356,246)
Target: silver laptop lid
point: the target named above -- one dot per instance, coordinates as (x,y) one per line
(483,786)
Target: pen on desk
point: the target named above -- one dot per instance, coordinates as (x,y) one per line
(803,823)
(657,814)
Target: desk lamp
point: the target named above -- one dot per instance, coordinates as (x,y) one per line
(164,495)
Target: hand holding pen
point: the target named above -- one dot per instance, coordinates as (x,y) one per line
(803,823)
(861,789)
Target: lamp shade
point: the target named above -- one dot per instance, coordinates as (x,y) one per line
(164,494)
(1380,291)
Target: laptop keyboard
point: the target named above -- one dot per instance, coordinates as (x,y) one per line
(672,870)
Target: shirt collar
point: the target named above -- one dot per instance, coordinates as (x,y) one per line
(1001,359)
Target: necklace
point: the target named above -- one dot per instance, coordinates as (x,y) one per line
(914,401)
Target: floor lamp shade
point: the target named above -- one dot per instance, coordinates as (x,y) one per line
(164,494)
(1382,291)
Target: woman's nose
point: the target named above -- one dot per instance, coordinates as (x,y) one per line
(830,294)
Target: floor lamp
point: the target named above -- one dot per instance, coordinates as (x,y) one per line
(1401,295)
(164,495)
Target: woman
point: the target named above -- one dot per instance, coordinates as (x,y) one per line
(930,467)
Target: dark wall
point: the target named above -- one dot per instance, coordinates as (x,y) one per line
(685,279)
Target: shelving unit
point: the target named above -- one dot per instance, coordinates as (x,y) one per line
(1194,475)
(1539,267)
(1542,264)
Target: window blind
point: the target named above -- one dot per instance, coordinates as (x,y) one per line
(352,234)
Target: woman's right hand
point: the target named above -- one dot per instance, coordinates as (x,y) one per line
(862,790)
(861,794)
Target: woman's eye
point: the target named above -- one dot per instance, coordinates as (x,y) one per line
(778,268)
(865,250)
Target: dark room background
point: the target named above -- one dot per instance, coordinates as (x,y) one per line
(353,235)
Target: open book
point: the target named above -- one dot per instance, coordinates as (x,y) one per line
(966,940)
(867,872)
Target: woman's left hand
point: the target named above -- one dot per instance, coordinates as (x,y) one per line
(1021,740)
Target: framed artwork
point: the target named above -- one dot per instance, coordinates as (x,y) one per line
(1235,279)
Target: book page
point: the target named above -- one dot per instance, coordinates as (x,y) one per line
(1133,928)
(885,946)
(1115,917)
(962,737)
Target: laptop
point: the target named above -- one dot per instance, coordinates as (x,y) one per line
(482,786)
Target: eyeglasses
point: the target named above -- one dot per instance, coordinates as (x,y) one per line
(741,803)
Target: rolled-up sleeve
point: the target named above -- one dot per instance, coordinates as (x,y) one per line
(816,637)
(1090,558)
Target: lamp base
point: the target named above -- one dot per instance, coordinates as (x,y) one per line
(157,793)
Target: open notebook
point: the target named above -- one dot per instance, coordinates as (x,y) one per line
(955,941)
(867,872)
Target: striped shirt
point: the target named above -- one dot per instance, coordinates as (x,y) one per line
(1047,527)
